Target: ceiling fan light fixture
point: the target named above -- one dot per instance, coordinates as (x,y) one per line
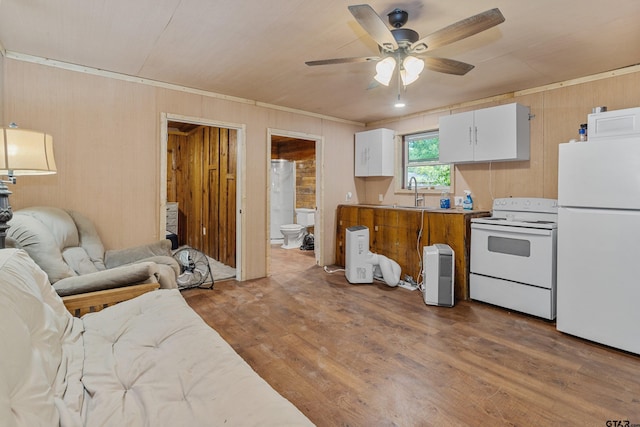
(411,69)
(384,70)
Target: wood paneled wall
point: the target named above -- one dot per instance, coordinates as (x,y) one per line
(107,136)
(557,111)
(201,177)
(107,145)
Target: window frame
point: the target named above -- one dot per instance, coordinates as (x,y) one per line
(404,163)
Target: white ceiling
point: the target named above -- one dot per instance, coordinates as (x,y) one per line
(256,49)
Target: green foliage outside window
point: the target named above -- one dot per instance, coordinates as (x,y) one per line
(422,153)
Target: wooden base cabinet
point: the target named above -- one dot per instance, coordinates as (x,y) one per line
(401,233)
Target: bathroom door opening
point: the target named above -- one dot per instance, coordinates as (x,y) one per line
(294,192)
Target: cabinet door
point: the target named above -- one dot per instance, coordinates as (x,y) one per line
(497,135)
(375,153)
(457,137)
(362,154)
(381,153)
(347,216)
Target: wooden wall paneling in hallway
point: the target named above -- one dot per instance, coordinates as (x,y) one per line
(201,177)
(226,198)
(212,171)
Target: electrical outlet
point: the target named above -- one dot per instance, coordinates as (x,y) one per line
(380,197)
(457,200)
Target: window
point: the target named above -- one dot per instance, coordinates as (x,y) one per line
(421,160)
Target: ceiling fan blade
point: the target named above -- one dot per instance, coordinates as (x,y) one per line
(448,66)
(459,30)
(342,60)
(374,25)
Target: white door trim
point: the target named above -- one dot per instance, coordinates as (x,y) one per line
(319,217)
(240,184)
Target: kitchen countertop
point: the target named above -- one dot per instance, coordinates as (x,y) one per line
(422,208)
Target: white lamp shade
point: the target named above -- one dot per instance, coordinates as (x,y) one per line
(26,152)
(385,69)
(411,69)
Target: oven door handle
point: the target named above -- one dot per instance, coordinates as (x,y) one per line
(511,230)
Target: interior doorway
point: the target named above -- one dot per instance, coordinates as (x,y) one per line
(201,185)
(294,194)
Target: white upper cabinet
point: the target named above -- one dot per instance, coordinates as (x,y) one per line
(375,153)
(489,134)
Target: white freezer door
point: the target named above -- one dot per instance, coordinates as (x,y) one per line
(600,174)
(598,290)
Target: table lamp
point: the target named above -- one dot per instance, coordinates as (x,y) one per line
(22,152)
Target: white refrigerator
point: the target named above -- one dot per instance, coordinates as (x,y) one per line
(598,265)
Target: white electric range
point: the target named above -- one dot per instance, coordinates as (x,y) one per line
(513,256)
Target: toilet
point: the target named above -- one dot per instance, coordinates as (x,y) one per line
(294,233)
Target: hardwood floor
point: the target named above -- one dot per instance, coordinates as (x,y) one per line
(370,355)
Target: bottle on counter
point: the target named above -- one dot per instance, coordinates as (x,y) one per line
(445,201)
(467,202)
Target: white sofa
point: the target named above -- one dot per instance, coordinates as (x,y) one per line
(149,361)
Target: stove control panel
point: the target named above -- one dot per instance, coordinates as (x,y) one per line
(526,204)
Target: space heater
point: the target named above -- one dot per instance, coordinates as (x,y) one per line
(438,268)
(357,269)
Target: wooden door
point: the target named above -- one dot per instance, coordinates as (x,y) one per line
(202,179)
(219,195)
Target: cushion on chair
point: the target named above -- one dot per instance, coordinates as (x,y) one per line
(116,257)
(118,277)
(89,239)
(78,259)
(44,239)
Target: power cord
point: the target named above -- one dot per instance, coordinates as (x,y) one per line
(326,269)
(418,247)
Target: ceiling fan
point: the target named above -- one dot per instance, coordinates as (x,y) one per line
(404,47)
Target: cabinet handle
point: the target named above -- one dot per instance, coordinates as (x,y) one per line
(470,140)
(476,130)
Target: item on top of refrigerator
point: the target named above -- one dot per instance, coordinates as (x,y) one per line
(467,203)
(614,124)
(582,132)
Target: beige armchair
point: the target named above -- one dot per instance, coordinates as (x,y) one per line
(66,245)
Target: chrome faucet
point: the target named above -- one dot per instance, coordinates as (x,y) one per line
(415,191)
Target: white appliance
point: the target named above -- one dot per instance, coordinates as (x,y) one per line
(599,241)
(438,273)
(513,256)
(614,124)
(357,269)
